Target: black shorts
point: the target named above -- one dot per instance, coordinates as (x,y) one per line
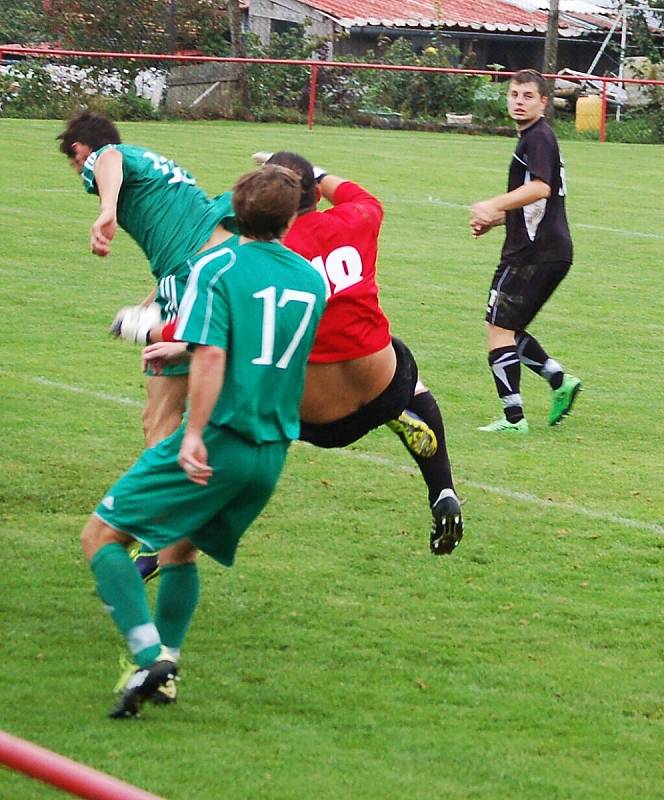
(388,405)
(518,292)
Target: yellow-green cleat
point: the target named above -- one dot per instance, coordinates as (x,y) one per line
(503,425)
(415,434)
(146,561)
(562,398)
(143,685)
(165,692)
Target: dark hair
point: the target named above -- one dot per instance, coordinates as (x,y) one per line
(265,200)
(305,172)
(531,76)
(89,128)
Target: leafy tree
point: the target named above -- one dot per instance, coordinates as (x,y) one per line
(22,22)
(148,26)
(642,40)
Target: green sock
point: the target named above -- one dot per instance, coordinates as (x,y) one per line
(177,599)
(122,590)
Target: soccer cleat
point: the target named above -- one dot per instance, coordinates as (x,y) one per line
(503,425)
(146,561)
(142,685)
(165,693)
(127,669)
(414,433)
(447,525)
(562,398)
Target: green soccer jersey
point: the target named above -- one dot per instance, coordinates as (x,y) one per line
(261,303)
(161,207)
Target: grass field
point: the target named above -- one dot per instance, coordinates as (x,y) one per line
(338,659)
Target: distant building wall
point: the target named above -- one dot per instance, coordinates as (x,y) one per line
(266,17)
(200,89)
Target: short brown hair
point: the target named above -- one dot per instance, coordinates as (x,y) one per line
(265,200)
(531,76)
(89,128)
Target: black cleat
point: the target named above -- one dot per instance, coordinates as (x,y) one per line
(141,686)
(447,524)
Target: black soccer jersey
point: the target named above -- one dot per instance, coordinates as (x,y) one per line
(538,232)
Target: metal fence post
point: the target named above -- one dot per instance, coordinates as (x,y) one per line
(312,94)
(602,121)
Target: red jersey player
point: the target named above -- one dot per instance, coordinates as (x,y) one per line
(359,377)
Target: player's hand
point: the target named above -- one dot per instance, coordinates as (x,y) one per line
(133,323)
(158,355)
(478,228)
(484,216)
(193,459)
(261,157)
(102,232)
(486,212)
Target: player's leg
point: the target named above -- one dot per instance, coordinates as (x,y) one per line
(121,589)
(564,386)
(164,407)
(399,396)
(165,404)
(508,310)
(177,600)
(435,467)
(506,370)
(155,489)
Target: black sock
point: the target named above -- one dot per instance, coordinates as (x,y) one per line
(533,356)
(506,368)
(436,470)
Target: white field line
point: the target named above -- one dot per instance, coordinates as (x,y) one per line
(520,497)
(619,231)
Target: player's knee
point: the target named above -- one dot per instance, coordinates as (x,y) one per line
(96,534)
(91,536)
(183,552)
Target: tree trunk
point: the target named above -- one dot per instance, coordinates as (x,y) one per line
(551,53)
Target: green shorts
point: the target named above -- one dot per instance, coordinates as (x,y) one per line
(170,290)
(155,502)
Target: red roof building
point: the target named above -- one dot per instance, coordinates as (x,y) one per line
(483,31)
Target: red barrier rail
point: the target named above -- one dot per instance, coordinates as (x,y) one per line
(75,778)
(314,66)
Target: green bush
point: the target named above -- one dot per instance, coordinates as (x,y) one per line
(489,104)
(419,94)
(32,89)
(279,88)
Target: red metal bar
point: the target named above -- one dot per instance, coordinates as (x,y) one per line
(602,121)
(312,94)
(39,51)
(64,773)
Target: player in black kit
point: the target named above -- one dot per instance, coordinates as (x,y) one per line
(536,256)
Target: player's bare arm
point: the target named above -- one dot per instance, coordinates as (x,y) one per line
(108,176)
(206,378)
(489,213)
(329,185)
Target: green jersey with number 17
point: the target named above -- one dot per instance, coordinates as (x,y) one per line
(261,303)
(161,207)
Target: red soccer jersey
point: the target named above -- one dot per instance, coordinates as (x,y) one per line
(342,245)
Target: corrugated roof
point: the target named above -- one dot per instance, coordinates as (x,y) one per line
(487,15)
